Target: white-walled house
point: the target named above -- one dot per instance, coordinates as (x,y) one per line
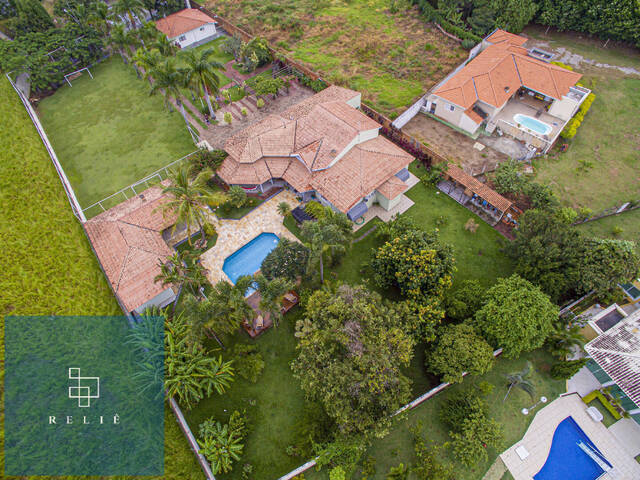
(188,28)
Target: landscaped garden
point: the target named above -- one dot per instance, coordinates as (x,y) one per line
(108,132)
(392,58)
(49,267)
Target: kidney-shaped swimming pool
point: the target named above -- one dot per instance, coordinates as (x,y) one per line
(248,258)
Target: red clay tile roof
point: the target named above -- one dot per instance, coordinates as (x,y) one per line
(182,22)
(479,188)
(469,112)
(128,242)
(392,187)
(311,146)
(497,72)
(617,351)
(504,36)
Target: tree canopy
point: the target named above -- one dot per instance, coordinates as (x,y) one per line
(517,316)
(350,357)
(288,260)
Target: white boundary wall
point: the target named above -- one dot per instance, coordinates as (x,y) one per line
(71,196)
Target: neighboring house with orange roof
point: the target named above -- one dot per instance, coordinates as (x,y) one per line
(323,148)
(129,243)
(188,28)
(504,85)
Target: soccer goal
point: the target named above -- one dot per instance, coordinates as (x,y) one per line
(73,75)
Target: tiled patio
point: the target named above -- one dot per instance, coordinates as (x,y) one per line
(537,441)
(524,107)
(233,234)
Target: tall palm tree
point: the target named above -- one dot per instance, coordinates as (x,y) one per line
(520,380)
(563,339)
(148,60)
(169,80)
(271,293)
(322,238)
(100,16)
(165,46)
(121,39)
(148,34)
(182,270)
(200,75)
(129,8)
(189,199)
(228,305)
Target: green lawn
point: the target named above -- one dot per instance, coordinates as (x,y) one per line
(108,132)
(275,405)
(397,447)
(47,264)
(629,222)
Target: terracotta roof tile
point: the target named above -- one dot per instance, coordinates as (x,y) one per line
(392,187)
(479,188)
(497,72)
(128,242)
(469,112)
(504,36)
(182,22)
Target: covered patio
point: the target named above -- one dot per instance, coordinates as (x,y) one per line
(262,320)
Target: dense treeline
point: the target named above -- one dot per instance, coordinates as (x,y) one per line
(472,19)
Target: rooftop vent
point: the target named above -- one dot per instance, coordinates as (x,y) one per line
(506,89)
(541,54)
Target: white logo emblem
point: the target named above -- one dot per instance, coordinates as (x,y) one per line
(84,389)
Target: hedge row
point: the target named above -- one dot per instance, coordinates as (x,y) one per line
(571,128)
(432,15)
(605,402)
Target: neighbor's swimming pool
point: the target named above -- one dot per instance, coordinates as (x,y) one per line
(532,124)
(248,258)
(567,459)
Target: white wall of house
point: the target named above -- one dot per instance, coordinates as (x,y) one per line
(467,124)
(386,203)
(448,111)
(195,35)
(356,101)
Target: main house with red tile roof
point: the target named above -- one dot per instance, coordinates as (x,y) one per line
(323,148)
(129,243)
(505,85)
(188,28)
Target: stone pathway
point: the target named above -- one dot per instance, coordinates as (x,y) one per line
(233,234)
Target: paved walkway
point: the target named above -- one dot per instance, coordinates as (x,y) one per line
(583,382)
(537,441)
(233,234)
(627,431)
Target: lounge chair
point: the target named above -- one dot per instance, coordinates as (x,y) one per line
(290,297)
(259,322)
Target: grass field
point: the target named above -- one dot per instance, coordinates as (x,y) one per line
(397,447)
(275,405)
(391,58)
(629,222)
(108,132)
(47,264)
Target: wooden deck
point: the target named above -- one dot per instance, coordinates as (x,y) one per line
(262,321)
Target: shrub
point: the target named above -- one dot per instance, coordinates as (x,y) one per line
(617,230)
(247,361)
(221,444)
(434,174)
(468,44)
(466,403)
(465,301)
(260,103)
(204,159)
(237,196)
(571,127)
(227,117)
(288,260)
(244,112)
(337,473)
(562,65)
(566,370)
(471,225)
(315,209)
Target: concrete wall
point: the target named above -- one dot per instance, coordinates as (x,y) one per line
(467,124)
(195,35)
(356,101)
(564,109)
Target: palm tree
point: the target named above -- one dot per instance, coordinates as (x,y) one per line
(228,305)
(182,270)
(165,46)
(100,16)
(321,238)
(169,80)
(189,199)
(148,33)
(129,8)
(146,340)
(284,209)
(563,338)
(520,380)
(271,293)
(121,39)
(199,74)
(148,60)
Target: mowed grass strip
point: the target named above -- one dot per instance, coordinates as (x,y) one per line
(47,265)
(109,132)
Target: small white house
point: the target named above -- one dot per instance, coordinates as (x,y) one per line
(188,28)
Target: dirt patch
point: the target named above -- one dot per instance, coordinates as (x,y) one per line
(453,145)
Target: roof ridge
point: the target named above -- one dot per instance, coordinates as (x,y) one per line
(124,263)
(515,64)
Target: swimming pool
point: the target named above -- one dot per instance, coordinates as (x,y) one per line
(567,459)
(248,258)
(532,124)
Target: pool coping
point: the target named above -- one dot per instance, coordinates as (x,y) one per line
(243,246)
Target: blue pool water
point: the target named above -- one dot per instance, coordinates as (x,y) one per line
(247,259)
(532,124)
(566,459)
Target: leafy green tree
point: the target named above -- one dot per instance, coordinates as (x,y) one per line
(337,473)
(416,263)
(521,380)
(189,199)
(191,375)
(271,293)
(517,316)
(165,46)
(350,359)
(459,349)
(236,196)
(566,369)
(221,445)
(465,403)
(421,317)
(428,464)
(232,46)
(182,270)
(100,16)
(322,238)
(464,302)
(288,260)
(30,17)
(563,339)
(169,81)
(607,263)
(263,85)
(476,433)
(122,39)
(228,305)
(200,74)
(514,15)
(129,9)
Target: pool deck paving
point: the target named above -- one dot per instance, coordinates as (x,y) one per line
(537,441)
(233,234)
